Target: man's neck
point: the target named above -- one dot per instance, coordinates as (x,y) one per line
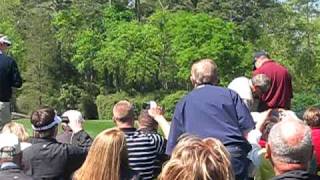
(281,168)
(263,61)
(125,125)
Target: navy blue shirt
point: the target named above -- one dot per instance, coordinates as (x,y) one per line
(9,77)
(211,111)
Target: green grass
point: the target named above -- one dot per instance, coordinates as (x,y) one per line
(93,127)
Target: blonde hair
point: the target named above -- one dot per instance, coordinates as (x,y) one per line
(196,159)
(106,157)
(312,117)
(204,72)
(17,129)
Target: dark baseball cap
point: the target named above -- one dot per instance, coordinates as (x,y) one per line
(259,54)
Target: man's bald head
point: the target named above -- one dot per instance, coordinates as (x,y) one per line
(290,142)
(123,111)
(204,72)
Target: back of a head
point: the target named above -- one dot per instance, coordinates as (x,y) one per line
(107,155)
(267,126)
(290,142)
(312,117)
(262,81)
(123,111)
(204,72)
(199,160)
(75,117)
(9,147)
(44,122)
(146,121)
(17,129)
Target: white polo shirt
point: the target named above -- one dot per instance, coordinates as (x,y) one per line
(241,85)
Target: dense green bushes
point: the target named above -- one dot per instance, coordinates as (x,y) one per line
(69,52)
(105,103)
(302,101)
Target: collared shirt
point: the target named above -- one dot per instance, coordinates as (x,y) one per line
(280,92)
(9,165)
(10,170)
(211,111)
(296,175)
(46,158)
(144,151)
(241,85)
(9,77)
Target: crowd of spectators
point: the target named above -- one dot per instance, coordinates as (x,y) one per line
(243,132)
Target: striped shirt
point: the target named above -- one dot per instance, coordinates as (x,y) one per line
(145,151)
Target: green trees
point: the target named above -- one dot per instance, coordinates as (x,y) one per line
(70,52)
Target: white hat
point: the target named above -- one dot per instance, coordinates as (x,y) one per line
(9,145)
(4,39)
(73,116)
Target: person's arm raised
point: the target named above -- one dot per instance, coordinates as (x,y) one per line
(157,114)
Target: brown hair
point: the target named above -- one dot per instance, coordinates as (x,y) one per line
(147,121)
(267,125)
(17,129)
(198,159)
(42,117)
(312,117)
(106,157)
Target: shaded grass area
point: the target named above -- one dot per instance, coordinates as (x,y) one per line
(93,127)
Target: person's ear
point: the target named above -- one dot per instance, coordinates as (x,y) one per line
(254,88)
(267,155)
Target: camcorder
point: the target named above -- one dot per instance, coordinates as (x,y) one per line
(149,105)
(278,113)
(65,119)
(65,123)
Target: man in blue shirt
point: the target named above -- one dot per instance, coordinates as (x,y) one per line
(212,111)
(9,77)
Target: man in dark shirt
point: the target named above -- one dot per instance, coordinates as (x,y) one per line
(46,158)
(280,92)
(212,111)
(9,77)
(10,158)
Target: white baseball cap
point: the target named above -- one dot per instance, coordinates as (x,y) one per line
(9,145)
(5,39)
(73,116)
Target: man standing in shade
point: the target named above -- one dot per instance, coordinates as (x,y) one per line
(212,111)
(280,92)
(9,77)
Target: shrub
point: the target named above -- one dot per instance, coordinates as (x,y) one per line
(302,101)
(105,104)
(170,101)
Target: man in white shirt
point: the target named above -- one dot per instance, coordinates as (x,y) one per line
(250,89)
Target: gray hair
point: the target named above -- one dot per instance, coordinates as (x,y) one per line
(262,81)
(290,142)
(204,72)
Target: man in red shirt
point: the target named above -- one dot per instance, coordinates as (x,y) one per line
(280,92)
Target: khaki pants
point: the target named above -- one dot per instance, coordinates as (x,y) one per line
(5,114)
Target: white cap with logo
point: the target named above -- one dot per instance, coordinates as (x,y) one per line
(9,145)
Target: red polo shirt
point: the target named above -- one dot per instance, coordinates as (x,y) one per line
(280,92)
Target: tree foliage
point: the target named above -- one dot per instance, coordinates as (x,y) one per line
(70,52)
